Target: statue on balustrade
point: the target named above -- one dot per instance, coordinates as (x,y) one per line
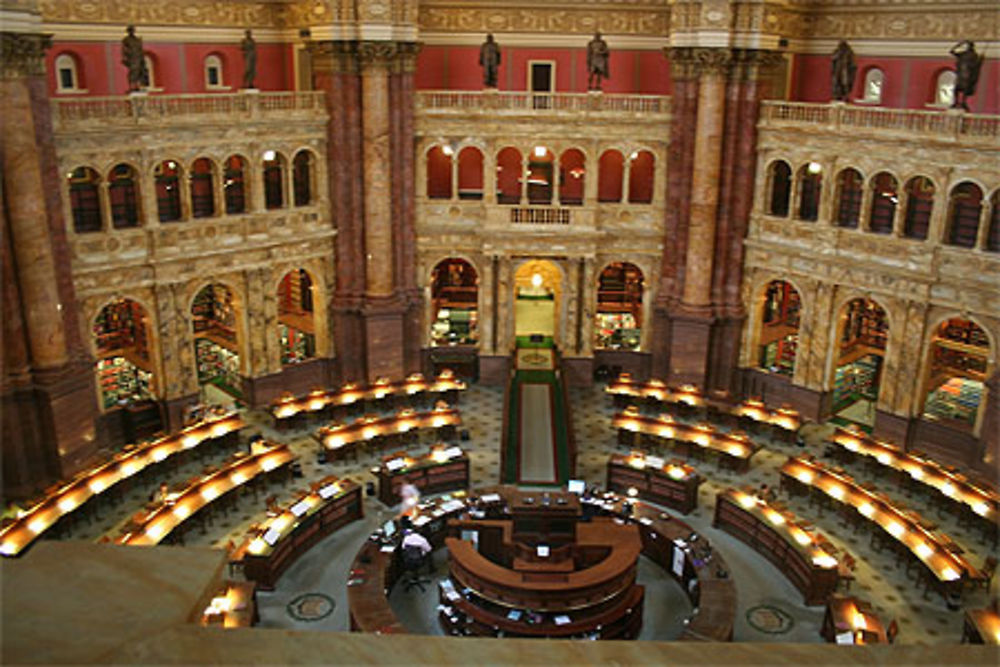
(135,60)
(597,62)
(843,70)
(249,47)
(967,66)
(489,59)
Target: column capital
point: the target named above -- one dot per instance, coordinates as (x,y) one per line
(688,62)
(23,54)
(749,64)
(352,57)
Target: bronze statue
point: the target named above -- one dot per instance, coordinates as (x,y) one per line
(249,47)
(843,70)
(967,66)
(489,59)
(134,59)
(597,62)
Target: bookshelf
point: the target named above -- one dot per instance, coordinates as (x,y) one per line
(122,382)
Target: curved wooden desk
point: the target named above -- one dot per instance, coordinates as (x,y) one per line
(336,437)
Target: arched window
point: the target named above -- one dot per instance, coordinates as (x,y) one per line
(849,193)
(509,167)
(122,344)
(152,77)
(779,330)
(274,180)
(618,321)
(810,187)
(541,167)
(215,315)
(202,188)
(993,234)
(874,82)
(213,72)
(84,200)
(610,177)
(964,208)
(123,193)
(944,90)
(168,192)
(68,74)
(454,302)
(296,319)
(642,167)
(884,200)
(781,188)
(919,204)
(959,360)
(234,185)
(572,176)
(470,173)
(302,178)
(439,172)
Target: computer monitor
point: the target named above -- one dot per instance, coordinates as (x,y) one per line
(389,528)
(542,550)
(577,486)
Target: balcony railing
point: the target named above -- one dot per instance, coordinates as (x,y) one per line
(186,108)
(540,216)
(528,102)
(946,125)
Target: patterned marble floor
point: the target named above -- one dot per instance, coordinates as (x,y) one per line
(758,582)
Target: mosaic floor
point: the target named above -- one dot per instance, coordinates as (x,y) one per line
(775,606)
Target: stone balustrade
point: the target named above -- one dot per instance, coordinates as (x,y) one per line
(443,102)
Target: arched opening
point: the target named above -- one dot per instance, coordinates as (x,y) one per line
(810,188)
(540,176)
(470,173)
(572,177)
(302,178)
(863,334)
(152,75)
(296,317)
(959,357)
(85,200)
(849,192)
(779,328)
(509,176)
(874,83)
(537,289)
(69,77)
(965,205)
(274,180)
(214,75)
(235,185)
(919,204)
(123,193)
(124,367)
(618,321)
(202,188)
(439,172)
(944,89)
(780,178)
(168,191)
(993,234)
(214,317)
(642,169)
(884,199)
(454,299)
(610,177)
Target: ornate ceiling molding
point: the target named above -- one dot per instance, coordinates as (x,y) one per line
(616,17)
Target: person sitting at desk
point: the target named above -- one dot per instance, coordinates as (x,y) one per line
(161,494)
(412,538)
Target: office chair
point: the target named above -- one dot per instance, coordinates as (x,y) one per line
(413,560)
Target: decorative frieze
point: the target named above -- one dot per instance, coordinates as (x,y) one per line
(23,54)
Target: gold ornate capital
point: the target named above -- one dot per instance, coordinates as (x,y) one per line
(751,64)
(334,57)
(353,57)
(23,54)
(693,62)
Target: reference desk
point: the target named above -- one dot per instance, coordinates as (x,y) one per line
(776,535)
(442,469)
(151,527)
(234,607)
(272,546)
(672,484)
(386,431)
(932,548)
(132,460)
(848,620)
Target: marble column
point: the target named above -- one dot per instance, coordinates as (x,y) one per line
(375,58)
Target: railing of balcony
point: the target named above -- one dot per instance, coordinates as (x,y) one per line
(140,107)
(518,101)
(943,124)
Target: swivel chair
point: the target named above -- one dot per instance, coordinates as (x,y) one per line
(413,560)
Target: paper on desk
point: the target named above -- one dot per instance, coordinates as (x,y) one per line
(654,462)
(388,548)
(561,620)
(421,520)
(491,498)
(395,464)
(645,520)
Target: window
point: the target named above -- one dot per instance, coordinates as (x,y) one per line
(84,200)
(124,195)
(202,188)
(965,206)
(884,200)
(67,74)
(944,91)
(874,80)
(810,185)
(234,185)
(150,72)
(302,178)
(919,204)
(781,187)
(274,175)
(213,72)
(849,188)
(168,191)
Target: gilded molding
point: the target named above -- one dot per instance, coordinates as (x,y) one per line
(352,57)
(638,17)
(23,54)
(177,12)
(751,64)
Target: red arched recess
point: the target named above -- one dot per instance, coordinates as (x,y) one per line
(610,172)
(572,177)
(640,178)
(509,176)
(438,173)
(470,173)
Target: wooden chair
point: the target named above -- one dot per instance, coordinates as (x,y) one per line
(985,574)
